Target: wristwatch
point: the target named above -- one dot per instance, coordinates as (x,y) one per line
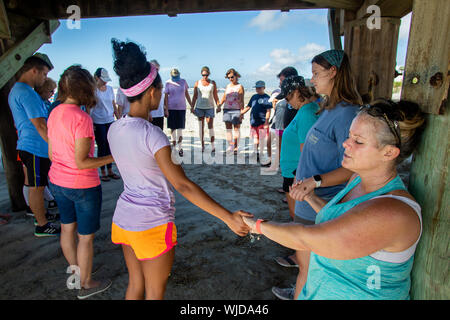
(318,179)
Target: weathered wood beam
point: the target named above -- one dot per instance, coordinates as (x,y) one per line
(426,75)
(388,8)
(428,54)
(57,9)
(5,32)
(372,54)
(333,29)
(12,60)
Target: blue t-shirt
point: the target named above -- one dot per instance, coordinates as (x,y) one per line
(259,104)
(294,135)
(323,152)
(26,104)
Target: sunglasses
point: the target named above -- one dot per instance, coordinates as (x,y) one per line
(376,111)
(232,77)
(205,75)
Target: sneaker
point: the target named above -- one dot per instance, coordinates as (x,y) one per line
(52,205)
(48,230)
(86,293)
(29,212)
(266,165)
(50,218)
(284,293)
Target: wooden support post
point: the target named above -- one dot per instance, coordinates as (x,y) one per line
(372,54)
(333,29)
(8,142)
(428,53)
(426,78)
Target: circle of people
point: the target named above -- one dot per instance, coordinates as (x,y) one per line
(354,225)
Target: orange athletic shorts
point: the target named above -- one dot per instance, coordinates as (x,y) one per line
(147,244)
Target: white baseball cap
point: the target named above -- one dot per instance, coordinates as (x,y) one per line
(102,74)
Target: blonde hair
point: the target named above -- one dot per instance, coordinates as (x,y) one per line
(48,85)
(406,115)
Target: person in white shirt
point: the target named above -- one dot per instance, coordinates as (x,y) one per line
(103,116)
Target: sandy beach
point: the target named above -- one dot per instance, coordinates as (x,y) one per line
(211,262)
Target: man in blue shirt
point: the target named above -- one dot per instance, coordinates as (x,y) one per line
(259,117)
(30,117)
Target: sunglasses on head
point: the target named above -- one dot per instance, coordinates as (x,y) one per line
(386,115)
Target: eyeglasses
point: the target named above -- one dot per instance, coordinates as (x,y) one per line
(376,111)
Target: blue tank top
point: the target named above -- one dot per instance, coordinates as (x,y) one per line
(363,278)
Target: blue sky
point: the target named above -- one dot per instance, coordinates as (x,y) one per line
(258,44)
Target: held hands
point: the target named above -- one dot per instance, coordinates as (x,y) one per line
(251,223)
(301,189)
(236,222)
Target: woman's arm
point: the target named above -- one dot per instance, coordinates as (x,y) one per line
(82,159)
(192,192)
(194,97)
(315,201)
(376,224)
(332,178)
(166,108)
(188,97)
(117,113)
(241,96)
(215,95)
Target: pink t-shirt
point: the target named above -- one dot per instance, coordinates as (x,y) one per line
(66,123)
(176,99)
(147,200)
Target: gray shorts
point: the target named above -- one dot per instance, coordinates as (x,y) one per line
(232,115)
(204,113)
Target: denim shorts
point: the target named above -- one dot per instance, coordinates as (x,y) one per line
(232,115)
(202,113)
(82,206)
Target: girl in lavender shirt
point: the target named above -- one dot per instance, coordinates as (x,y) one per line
(143,221)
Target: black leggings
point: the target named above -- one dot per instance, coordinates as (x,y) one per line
(101,134)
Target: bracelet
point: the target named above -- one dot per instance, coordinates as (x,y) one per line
(258,225)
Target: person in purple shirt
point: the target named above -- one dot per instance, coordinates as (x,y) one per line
(143,221)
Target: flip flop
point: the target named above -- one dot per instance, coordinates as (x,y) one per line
(286,262)
(104,178)
(114,176)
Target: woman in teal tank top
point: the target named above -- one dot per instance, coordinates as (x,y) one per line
(362,245)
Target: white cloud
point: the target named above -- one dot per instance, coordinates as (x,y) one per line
(281,58)
(405,24)
(269,20)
